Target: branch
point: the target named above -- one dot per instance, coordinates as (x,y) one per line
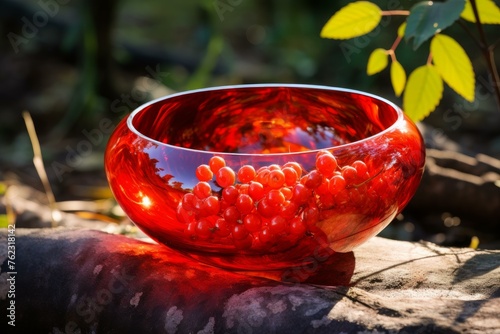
(487,54)
(396,12)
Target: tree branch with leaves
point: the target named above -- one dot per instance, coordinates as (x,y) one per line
(447,61)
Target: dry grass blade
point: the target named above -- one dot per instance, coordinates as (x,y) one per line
(10,212)
(40,168)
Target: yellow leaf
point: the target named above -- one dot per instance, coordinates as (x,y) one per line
(401,29)
(488,11)
(356,19)
(453,65)
(377,61)
(474,242)
(423,92)
(398,77)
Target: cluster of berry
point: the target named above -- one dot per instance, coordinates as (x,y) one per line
(259,209)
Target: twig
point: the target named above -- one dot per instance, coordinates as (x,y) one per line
(396,43)
(395,12)
(461,23)
(487,54)
(429,59)
(494,45)
(40,168)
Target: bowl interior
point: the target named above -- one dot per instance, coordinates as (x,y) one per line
(264,119)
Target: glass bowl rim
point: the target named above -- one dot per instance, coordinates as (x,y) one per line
(398,110)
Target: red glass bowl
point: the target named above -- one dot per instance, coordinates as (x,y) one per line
(264,177)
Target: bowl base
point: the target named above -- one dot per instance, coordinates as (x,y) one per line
(304,255)
(271,266)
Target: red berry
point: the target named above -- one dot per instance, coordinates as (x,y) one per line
(278,225)
(256,190)
(262,169)
(203,173)
(289,210)
(202,190)
(263,176)
(189,201)
(360,167)
(350,174)
(265,209)
(336,184)
(246,174)
(231,214)
(297,226)
(210,206)
(311,215)
(323,188)
(225,177)
(239,232)
(326,164)
(276,179)
(252,222)
(184,216)
(243,188)
(203,228)
(320,153)
(295,166)
(230,194)
(221,228)
(244,204)
(301,194)
(313,179)
(362,170)
(224,205)
(266,236)
(216,163)
(191,229)
(274,167)
(287,192)
(198,206)
(327,201)
(275,197)
(291,176)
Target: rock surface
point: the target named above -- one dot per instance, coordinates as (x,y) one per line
(84,281)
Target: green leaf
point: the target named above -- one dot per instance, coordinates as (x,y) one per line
(398,77)
(453,65)
(377,61)
(355,19)
(488,11)
(428,18)
(423,92)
